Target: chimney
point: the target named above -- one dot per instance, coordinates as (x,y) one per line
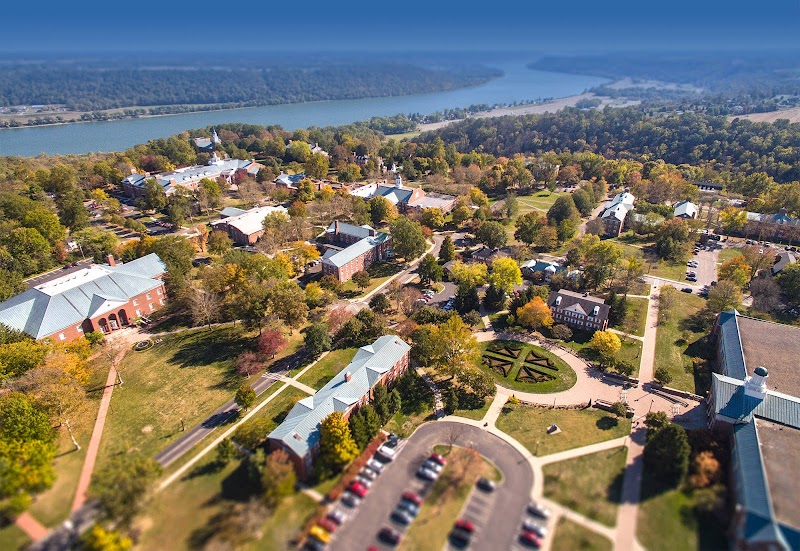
(335,227)
(398,182)
(348,377)
(110,260)
(756,385)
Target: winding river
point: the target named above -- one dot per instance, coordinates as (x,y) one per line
(517,84)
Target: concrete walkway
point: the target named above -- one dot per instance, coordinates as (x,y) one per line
(32,527)
(438,403)
(298,385)
(626,335)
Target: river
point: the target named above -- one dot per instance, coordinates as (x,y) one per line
(517,84)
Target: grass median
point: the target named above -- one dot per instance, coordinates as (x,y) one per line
(570,536)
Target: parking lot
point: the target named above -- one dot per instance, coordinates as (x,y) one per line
(496,526)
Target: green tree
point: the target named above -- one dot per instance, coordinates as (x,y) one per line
(492,234)
(447,251)
(100,539)
(278,478)
(381,210)
(789,282)
(288,301)
(155,198)
(336,444)
(245,396)
(451,400)
(655,421)
(226,451)
(380,303)
(666,454)
(46,223)
(21,419)
(362,279)
(407,238)
(529,228)
(381,402)
(176,252)
(316,339)
(316,166)
(433,218)
(673,239)
(219,243)
(467,299)
(429,269)
(71,211)
(95,242)
(725,295)
(30,252)
(505,274)
(209,194)
(662,375)
(461,214)
(11,283)
(298,151)
(561,332)
(123,486)
(563,209)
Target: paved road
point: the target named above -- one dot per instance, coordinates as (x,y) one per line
(220,416)
(500,524)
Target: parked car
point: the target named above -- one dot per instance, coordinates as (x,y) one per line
(337,516)
(427,474)
(433,466)
(486,485)
(350,500)
(401,516)
(686,290)
(460,537)
(364,481)
(313,544)
(389,535)
(376,466)
(530,526)
(410,508)
(358,489)
(328,525)
(387,452)
(408,495)
(530,539)
(465,525)
(436,458)
(538,510)
(367,473)
(319,533)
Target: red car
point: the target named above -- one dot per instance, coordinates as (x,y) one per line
(358,489)
(530,539)
(436,458)
(465,525)
(408,495)
(328,524)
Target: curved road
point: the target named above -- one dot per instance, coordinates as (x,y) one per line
(497,531)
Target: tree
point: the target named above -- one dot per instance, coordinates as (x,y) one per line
(461,214)
(655,421)
(529,228)
(619,409)
(789,282)
(494,298)
(336,444)
(673,239)
(505,274)
(632,268)
(100,539)
(381,402)
(226,450)
(563,209)
(447,251)
(177,253)
(455,349)
(756,260)
(299,151)
(316,339)
(219,243)
(278,478)
(732,219)
(155,198)
(288,301)
(662,375)
(204,307)
(337,318)
(451,400)
(535,314)
(248,363)
(123,486)
(330,283)
(766,294)
(29,251)
(21,419)
(467,299)
(317,166)
(407,238)
(471,275)
(245,396)
(433,218)
(600,259)
(736,270)
(561,332)
(209,194)
(429,269)
(362,279)
(705,470)
(666,454)
(606,344)
(381,209)
(71,212)
(725,295)
(380,303)
(11,283)
(492,234)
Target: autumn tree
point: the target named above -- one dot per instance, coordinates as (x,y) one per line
(278,478)
(362,279)
(492,234)
(205,307)
(469,274)
(732,220)
(245,396)
(505,274)
(736,270)
(725,295)
(124,485)
(100,539)
(271,342)
(529,227)
(337,447)
(317,166)
(381,210)
(248,363)
(447,251)
(606,344)
(632,268)
(535,314)
(219,243)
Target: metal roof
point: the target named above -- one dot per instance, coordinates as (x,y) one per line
(350,229)
(231,211)
(732,360)
(685,208)
(362,246)
(249,221)
(300,430)
(731,401)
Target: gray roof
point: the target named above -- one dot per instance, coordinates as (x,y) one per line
(616,210)
(731,401)
(134,179)
(340,258)
(350,229)
(732,360)
(785,258)
(433,201)
(577,302)
(395,195)
(685,208)
(300,430)
(69,300)
(231,211)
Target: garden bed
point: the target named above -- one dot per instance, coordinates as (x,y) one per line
(526,367)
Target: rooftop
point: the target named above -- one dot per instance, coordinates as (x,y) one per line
(775,346)
(251,221)
(340,258)
(433,201)
(780,447)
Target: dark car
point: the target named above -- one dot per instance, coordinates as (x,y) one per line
(337,516)
(461,537)
(530,539)
(485,484)
(538,510)
(389,535)
(401,516)
(410,508)
(408,495)
(686,290)
(350,500)
(313,544)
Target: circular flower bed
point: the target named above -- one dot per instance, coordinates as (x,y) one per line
(143,345)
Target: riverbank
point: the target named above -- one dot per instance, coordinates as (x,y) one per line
(537,109)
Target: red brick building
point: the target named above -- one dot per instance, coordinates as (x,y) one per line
(101,298)
(354,248)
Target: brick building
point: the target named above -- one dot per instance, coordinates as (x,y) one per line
(614,216)
(577,310)
(244,227)
(102,298)
(378,363)
(352,249)
(406,199)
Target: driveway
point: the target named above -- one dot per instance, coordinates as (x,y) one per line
(498,526)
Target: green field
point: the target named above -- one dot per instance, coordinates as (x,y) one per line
(677,341)
(326,368)
(275,411)
(530,363)
(636,308)
(380,272)
(13,538)
(571,536)
(590,484)
(631,350)
(579,428)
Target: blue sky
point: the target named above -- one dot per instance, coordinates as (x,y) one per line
(554,26)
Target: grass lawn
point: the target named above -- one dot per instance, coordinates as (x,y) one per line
(13,538)
(631,350)
(636,308)
(185,377)
(590,484)
(416,407)
(678,340)
(474,413)
(676,271)
(327,367)
(727,254)
(282,529)
(380,272)
(667,521)
(571,536)
(53,506)
(534,369)
(446,499)
(578,427)
(276,410)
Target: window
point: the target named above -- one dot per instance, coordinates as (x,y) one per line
(161,301)
(79,329)
(62,337)
(138,313)
(148,296)
(159,292)
(151,307)
(136,302)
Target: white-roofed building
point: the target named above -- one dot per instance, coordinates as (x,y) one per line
(230,171)
(381,362)
(354,248)
(97,298)
(614,216)
(685,210)
(245,227)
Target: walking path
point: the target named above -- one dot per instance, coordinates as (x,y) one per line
(438,404)
(305,388)
(32,527)
(626,335)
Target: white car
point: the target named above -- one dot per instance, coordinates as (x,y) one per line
(375,465)
(387,452)
(433,466)
(427,474)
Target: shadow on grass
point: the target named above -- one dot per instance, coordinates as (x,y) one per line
(218,345)
(607,422)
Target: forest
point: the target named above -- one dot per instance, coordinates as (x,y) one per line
(91,88)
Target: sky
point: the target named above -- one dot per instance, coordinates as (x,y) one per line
(557,26)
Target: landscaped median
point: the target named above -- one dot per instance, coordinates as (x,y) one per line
(526,367)
(447,497)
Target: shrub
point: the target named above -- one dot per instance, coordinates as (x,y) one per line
(663,376)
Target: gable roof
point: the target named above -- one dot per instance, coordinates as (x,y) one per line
(69,300)
(300,430)
(685,208)
(250,221)
(785,258)
(340,258)
(731,401)
(576,302)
